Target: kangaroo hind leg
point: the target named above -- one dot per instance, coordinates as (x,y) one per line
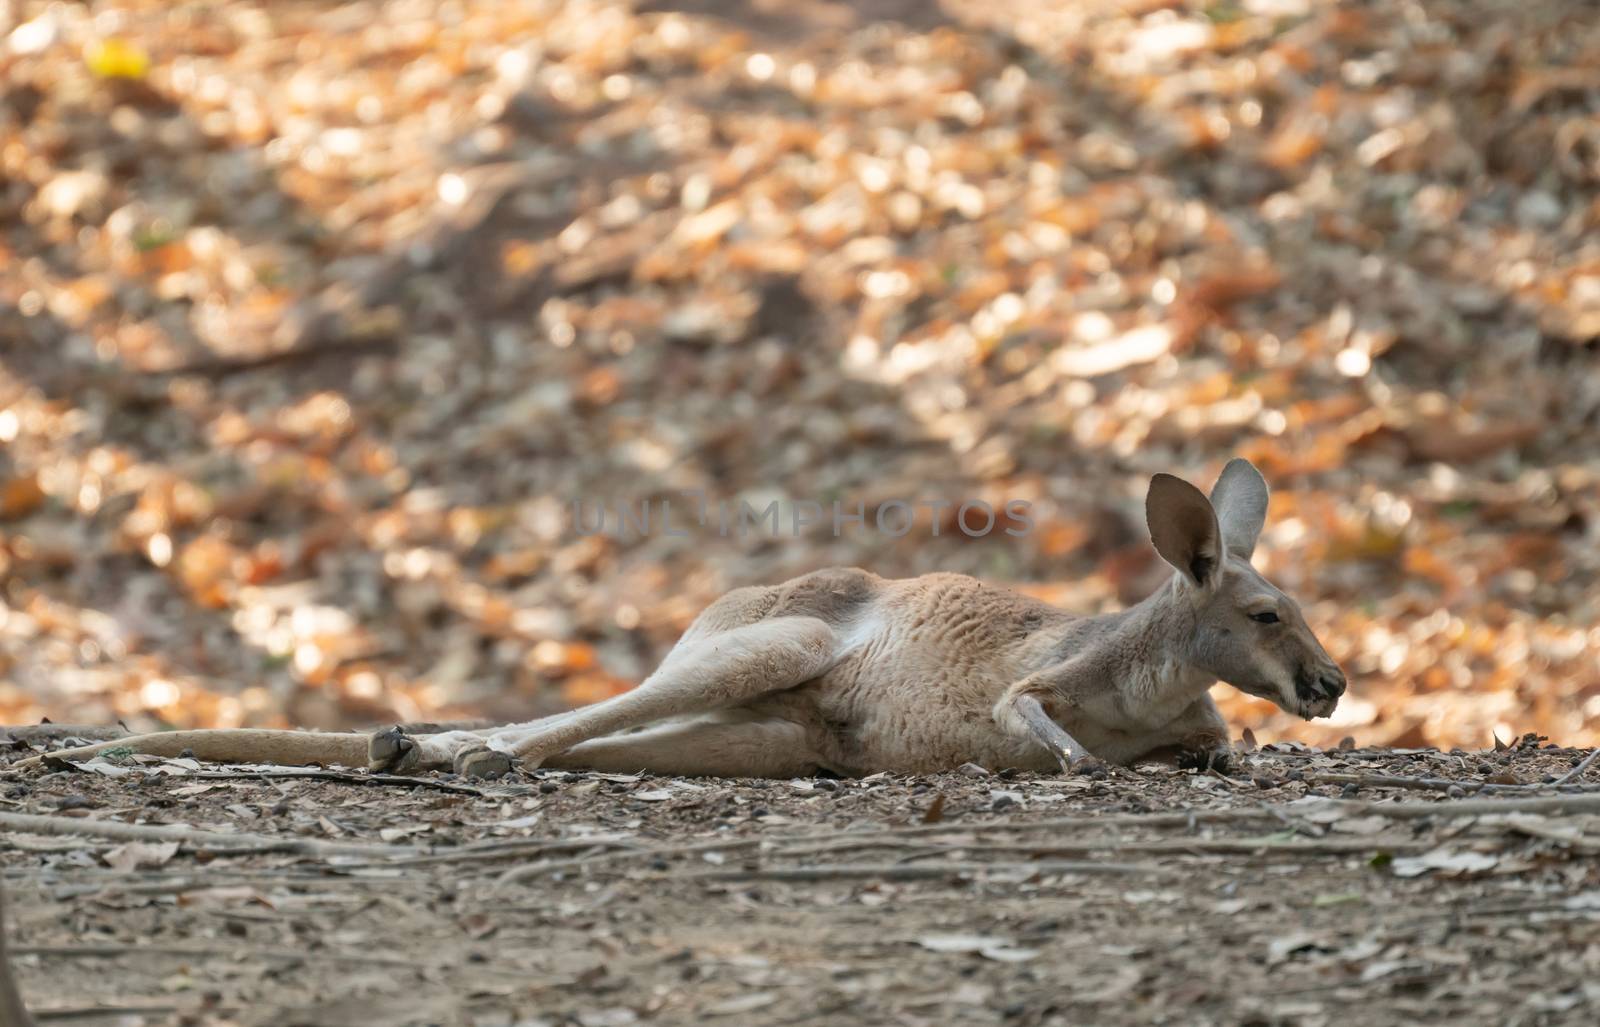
(718,745)
(717,671)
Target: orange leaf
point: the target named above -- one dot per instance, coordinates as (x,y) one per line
(20,497)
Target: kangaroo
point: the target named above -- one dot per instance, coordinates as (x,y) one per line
(846,672)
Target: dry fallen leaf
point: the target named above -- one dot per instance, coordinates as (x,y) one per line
(225,895)
(100,765)
(1318,809)
(747,1003)
(390,834)
(134,855)
(1361,825)
(1443,859)
(20,497)
(189,791)
(959,942)
(117,58)
(1001,950)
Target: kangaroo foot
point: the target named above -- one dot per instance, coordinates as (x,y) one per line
(393,751)
(1084,765)
(1218,758)
(483,762)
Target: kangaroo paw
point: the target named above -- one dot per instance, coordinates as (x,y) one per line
(1219,759)
(1088,766)
(482,761)
(393,751)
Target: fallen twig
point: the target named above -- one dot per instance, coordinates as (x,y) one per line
(508,849)
(914,872)
(84,1012)
(1415,784)
(181,885)
(140,948)
(344,777)
(1583,802)
(1580,803)
(1177,845)
(516,874)
(1426,784)
(1175,818)
(1576,771)
(191,837)
(13,1012)
(318,349)
(1527,909)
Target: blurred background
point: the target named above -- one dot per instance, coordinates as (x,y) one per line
(316,317)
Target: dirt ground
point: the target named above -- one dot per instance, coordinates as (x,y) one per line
(1312,887)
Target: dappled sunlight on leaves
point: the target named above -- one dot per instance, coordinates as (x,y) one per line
(319,318)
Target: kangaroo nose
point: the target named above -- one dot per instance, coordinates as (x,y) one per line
(1334,682)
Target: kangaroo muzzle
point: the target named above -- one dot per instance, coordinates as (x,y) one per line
(1318,689)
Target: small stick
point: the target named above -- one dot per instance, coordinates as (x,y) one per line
(81,1012)
(1434,784)
(509,849)
(1576,771)
(180,885)
(516,874)
(189,836)
(13,1013)
(1582,803)
(1422,784)
(1179,818)
(188,951)
(913,872)
(343,776)
(1586,802)
(1416,784)
(1174,845)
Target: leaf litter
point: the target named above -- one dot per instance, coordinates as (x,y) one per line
(321,317)
(618,916)
(321,322)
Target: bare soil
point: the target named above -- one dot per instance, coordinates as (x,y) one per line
(1352,886)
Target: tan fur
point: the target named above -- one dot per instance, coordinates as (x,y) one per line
(238,745)
(846,671)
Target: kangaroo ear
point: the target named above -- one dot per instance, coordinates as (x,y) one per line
(1240,499)
(1184,529)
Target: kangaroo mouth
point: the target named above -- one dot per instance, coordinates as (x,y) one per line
(1318,692)
(1312,696)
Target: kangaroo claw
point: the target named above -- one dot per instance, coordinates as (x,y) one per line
(1219,759)
(1084,765)
(392,751)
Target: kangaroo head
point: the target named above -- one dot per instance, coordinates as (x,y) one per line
(1245,631)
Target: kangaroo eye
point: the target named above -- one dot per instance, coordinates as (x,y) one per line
(1265,617)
